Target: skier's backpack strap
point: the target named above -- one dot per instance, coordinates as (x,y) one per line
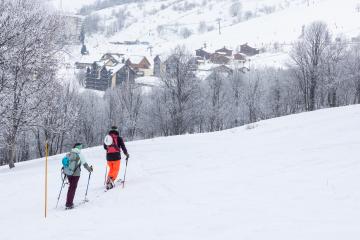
(114,147)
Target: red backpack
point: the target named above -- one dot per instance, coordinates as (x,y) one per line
(114,147)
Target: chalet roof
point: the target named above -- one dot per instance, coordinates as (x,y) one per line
(247,45)
(224,49)
(116,56)
(218,56)
(136,59)
(240,54)
(202,50)
(221,53)
(157,58)
(116,68)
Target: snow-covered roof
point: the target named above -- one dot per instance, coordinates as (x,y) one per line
(101,63)
(221,53)
(117,56)
(116,68)
(135,59)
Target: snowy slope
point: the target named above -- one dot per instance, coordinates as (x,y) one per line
(281,27)
(295,177)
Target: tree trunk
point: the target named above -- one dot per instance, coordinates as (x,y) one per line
(12,155)
(357,94)
(332,98)
(312,95)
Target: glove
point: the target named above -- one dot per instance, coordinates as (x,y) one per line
(91,168)
(127,156)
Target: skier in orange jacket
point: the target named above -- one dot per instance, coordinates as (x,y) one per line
(113,155)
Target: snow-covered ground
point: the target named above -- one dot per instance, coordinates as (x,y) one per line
(295,177)
(160,22)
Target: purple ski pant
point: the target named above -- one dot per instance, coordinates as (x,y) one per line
(73,182)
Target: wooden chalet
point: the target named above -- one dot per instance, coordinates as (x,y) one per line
(202,53)
(224,51)
(140,64)
(240,57)
(101,77)
(122,73)
(249,51)
(170,66)
(218,58)
(97,77)
(112,59)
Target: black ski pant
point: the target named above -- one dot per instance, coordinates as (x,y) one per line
(73,182)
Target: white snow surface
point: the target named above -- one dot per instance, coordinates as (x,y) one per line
(281,27)
(295,177)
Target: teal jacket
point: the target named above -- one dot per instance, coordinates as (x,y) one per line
(82,161)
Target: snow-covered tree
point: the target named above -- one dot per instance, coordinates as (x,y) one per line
(308,54)
(57,124)
(182,88)
(30,38)
(129,95)
(217,100)
(353,68)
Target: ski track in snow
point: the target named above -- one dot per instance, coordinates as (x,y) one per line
(295,177)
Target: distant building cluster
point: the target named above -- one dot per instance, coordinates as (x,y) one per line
(206,63)
(112,69)
(225,55)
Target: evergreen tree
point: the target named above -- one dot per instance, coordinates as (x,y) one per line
(84,50)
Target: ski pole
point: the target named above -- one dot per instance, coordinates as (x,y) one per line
(62,186)
(85,200)
(127,158)
(105,174)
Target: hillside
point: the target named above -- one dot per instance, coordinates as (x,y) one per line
(268,25)
(69,5)
(295,177)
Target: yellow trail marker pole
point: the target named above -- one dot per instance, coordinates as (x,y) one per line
(46,176)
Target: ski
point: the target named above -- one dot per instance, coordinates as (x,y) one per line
(77,205)
(116,183)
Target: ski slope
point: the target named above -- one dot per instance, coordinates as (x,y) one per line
(295,177)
